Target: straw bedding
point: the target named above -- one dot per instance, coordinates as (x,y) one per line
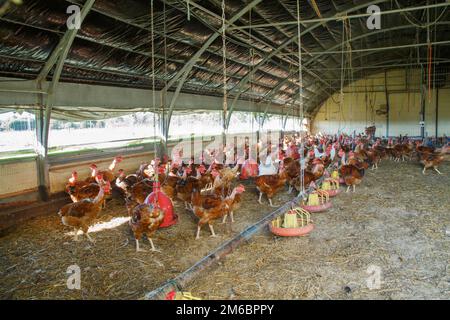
(397,220)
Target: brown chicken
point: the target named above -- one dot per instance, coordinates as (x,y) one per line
(292,168)
(211,207)
(108,175)
(80,215)
(139,191)
(185,187)
(310,175)
(125,182)
(145,219)
(130,204)
(270,185)
(74,185)
(421,150)
(235,205)
(433,160)
(89,191)
(352,175)
(374,157)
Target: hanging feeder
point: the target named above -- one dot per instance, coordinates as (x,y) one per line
(331,186)
(295,223)
(318,201)
(159,199)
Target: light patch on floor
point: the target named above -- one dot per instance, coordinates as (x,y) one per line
(112,224)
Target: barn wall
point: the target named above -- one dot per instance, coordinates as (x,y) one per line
(404,101)
(21,174)
(60,173)
(18,177)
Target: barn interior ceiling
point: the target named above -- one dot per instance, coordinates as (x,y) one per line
(113,47)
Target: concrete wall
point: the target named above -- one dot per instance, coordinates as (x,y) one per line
(403,88)
(18,177)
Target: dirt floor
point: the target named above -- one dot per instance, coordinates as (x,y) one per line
(397,223)
(35,257)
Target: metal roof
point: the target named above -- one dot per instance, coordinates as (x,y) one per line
(113,46)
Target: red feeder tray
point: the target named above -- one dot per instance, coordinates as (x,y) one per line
(164,203)
(319,208)
(292,232)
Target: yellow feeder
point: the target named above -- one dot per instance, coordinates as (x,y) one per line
(296,222)
(335,175)
(318,201)
(331,186)
(326,185)
(313,199)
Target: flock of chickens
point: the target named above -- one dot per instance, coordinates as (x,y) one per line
(212,191)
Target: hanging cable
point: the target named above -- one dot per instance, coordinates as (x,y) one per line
(300,87)
(341,97)
(224,62)
(152,36)
(188,10)
(430,55)
(416,23)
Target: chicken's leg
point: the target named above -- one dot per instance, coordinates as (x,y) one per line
(232,216)
(348,189)
(436,169)
(213,234)
(260,196)
(197,236)
(76,235)
(271,204)
(423,171)
(224,218)
(151,243)
(138,249)
(290,189)
(89,237)
(354,188)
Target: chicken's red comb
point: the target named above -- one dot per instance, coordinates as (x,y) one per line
(74,173)
(93,165)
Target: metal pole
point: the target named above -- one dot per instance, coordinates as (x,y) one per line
(343,16)
(58,56)
(382,48)
(437,112)
(388,108)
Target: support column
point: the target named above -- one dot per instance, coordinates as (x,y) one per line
(422,112)
(55,60)
(437,112)
(388,107)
